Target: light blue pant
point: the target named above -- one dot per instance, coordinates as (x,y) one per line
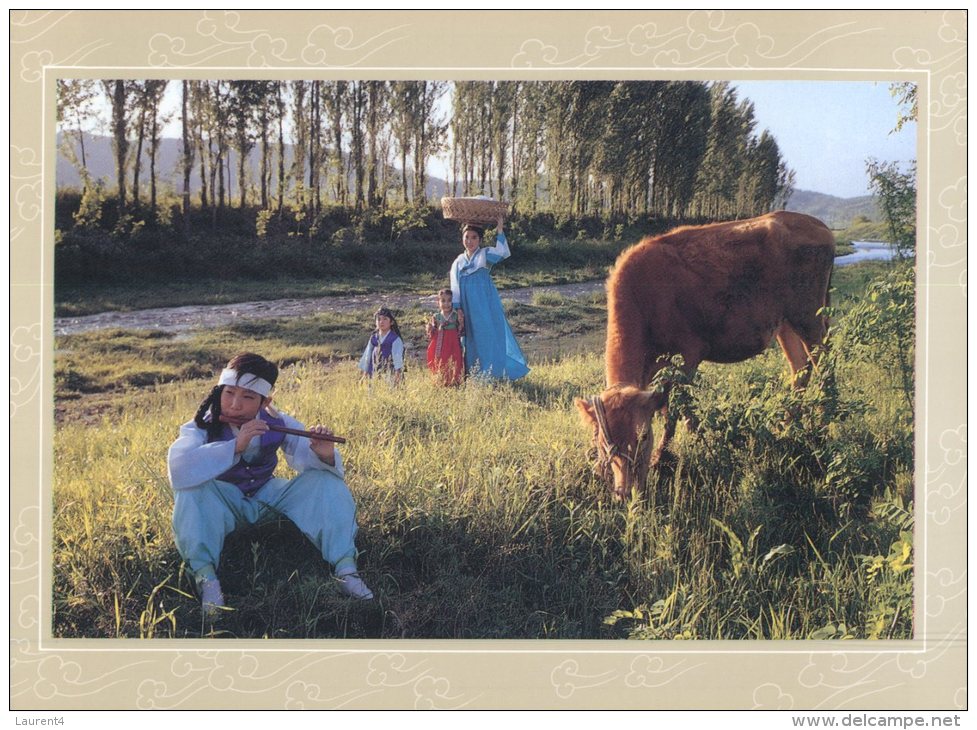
(318,502)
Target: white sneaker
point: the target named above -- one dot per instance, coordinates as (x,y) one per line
(211,598)
(352,585)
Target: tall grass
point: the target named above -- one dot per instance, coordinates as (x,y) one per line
(786,516)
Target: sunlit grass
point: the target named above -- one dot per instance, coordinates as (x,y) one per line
(479,514)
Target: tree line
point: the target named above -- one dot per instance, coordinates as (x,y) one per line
(673,149)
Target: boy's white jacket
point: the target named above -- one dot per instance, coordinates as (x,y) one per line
(192,461)
(396,351)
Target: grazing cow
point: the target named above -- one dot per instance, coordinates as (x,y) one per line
(718,292)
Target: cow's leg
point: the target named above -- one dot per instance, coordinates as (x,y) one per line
(811,327)
(668,431)
(800,354)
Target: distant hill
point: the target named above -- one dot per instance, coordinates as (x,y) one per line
(101,164)
(835,212)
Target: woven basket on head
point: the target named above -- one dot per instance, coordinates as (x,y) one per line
(473,210)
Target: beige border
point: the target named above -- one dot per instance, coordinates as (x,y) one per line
(926,46)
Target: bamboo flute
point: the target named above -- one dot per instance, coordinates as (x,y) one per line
(285,429)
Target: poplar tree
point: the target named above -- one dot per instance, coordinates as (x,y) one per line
(74,106)
(118,95)
(188,150)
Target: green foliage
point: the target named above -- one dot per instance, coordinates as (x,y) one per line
(165,212)
(881,328)
(98,270)
(127,227)
(738,552)
(297,206)
(906,95)
(548,299)
(409,220)
(890,584)
(863,229)
(89,213)
(261,224)
(673,378)
(671,617)
(115,360)
(832,632)
(895,189)
(568,148)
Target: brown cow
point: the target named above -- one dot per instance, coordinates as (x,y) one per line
(718,292)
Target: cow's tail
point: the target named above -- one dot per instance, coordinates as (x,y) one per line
(825,320)
(817,349)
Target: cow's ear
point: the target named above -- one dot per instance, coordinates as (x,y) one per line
(586,410)
(649,401)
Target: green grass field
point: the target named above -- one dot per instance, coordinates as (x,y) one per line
(786,516)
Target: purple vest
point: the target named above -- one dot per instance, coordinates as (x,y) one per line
(251,476)
(383,358)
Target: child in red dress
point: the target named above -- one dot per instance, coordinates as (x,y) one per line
(445,330)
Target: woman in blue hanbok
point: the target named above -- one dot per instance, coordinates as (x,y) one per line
(490,347)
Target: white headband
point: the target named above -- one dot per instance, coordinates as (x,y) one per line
(229,376)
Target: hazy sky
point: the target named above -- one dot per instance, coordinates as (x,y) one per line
(826,130)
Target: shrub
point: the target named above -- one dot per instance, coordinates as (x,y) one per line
(89,212)
(881,328)
(261,225)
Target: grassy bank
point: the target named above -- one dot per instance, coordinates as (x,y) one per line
(119,266)
(113,362)
(479,514)
(591,262)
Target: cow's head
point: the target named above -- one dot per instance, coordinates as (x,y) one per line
(620,418)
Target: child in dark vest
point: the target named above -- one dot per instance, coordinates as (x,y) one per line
(384,353)
(222,469)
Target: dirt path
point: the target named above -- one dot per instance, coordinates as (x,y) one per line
(177,319)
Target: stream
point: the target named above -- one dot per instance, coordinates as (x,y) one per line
(197,316)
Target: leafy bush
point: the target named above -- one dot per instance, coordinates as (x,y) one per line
(881,328)
(89,212)
(261,224)
(895,190)
(410,221)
